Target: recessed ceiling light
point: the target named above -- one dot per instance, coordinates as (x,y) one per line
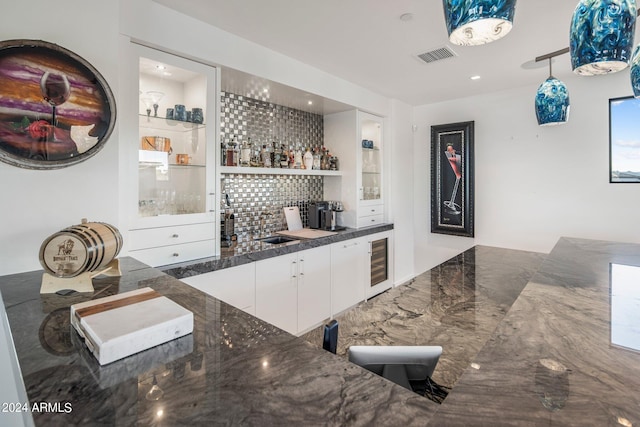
(310,102)
(475,77)
(160,67)
(265,90)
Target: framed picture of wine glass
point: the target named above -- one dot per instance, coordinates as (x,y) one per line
(56,109)
(452,195)
(624,140)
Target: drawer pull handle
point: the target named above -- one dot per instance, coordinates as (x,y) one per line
(373,210)
(176,254)
(373,220)
(175,236)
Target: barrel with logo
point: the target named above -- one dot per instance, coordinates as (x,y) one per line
(80,248)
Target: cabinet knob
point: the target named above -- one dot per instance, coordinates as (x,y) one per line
(175,236)
(373,210)
(294,276)
(176,254)
(373,220)
(293,262)
(302,274)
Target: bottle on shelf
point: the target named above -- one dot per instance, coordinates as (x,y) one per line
(255,154)
(298,159)
(223,153)
(275,155)
(284,157)
(316,158)
(245,154)
(231,153)
(266,156)
(308,159)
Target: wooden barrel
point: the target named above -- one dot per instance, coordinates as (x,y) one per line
(84,247)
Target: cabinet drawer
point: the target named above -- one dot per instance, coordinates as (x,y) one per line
(371,210)
(172,254)
(164,236)
(365,221)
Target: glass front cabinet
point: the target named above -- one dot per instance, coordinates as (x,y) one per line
(358,141)
(171,158)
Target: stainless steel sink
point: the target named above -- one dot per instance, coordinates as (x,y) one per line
(277,239)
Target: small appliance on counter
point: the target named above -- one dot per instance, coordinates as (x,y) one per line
(228,228)
(323,215)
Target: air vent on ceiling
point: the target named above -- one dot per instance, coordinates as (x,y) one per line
(437,54)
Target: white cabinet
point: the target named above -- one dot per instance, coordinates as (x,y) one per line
(234,285)
(293,291)
(314,287)
(347,274)
(358,138)
(169,123)
(360,268)
(277,293)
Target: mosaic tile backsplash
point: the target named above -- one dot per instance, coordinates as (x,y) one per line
(266,122)
(254,195)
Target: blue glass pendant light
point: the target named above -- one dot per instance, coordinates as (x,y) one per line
(635,72)
(552,101)
(601,36)
(476,22)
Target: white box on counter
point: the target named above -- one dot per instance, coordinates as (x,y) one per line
(118,326)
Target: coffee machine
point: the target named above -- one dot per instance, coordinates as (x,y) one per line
(323,215)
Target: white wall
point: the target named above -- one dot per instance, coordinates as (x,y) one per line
(401,183)
(40,203)
(532,184)
(36,204)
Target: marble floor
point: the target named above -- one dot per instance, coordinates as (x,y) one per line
(456,305)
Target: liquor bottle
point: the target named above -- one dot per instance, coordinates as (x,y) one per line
(316,158)
(245,154)
(308,159)
(266,156)
(275,162)
(292,157)
(223,154)
(284,157)
(298,159)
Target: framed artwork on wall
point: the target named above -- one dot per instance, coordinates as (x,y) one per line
(56,109)
(624,140)
(452,195)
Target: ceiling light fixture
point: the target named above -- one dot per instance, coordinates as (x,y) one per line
(601,36)
(476,22)
(475,77)
(160,67)
(552,98)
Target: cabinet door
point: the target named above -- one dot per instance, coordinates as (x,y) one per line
(171,155)
(235,286)
(314,287)
(276,291)
(347,274)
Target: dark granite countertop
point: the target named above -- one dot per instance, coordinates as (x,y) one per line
(250,250)
(233,370)
(554,359)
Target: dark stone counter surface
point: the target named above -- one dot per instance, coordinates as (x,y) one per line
(561,353)
(244,252)
(233,370)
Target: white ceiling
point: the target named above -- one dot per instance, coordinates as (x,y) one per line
(365,42)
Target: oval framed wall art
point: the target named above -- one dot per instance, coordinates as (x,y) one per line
(56,109)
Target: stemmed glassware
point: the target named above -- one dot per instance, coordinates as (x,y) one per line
(55,89)
(155,97)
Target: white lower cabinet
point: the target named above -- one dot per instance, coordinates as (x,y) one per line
(293,291)
(314,287)
(347,274)
(235,286)
(299,291)
(276,291)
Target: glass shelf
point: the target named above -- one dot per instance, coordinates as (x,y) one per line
(371,149)
(276,171)
(160,123)
(371,173)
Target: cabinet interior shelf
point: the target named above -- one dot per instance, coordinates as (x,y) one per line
(276,171)
(371,149)
(160,123)
(371,173)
